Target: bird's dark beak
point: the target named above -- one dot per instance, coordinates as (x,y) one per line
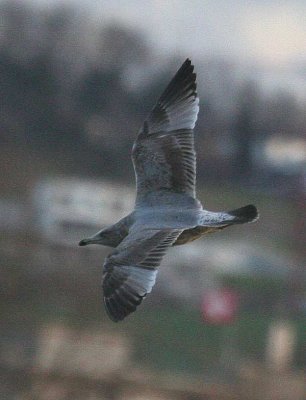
(95,239)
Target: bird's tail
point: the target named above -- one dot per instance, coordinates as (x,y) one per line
(244,214)
(217,221)
(241,215)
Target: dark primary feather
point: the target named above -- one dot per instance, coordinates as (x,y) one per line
(163,153)
(178,106)
(124,288)
(130,271)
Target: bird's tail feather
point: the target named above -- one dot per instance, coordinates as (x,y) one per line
(244,214)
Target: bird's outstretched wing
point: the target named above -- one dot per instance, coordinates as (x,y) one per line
(129,272)
(163,153)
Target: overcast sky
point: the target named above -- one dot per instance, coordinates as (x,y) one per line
(272,32)
(269,35)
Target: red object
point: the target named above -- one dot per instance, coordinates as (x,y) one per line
(220,306)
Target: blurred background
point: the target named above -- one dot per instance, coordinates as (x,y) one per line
(228,314)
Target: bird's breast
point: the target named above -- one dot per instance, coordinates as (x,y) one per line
(168,218)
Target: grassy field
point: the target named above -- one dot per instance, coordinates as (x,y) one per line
(179,340)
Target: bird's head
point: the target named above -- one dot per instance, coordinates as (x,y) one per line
(104,237)
(98,238)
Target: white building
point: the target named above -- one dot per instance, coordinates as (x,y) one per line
(69,209)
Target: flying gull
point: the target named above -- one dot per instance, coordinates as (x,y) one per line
(166,212)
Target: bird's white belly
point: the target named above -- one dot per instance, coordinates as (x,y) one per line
(163,218)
